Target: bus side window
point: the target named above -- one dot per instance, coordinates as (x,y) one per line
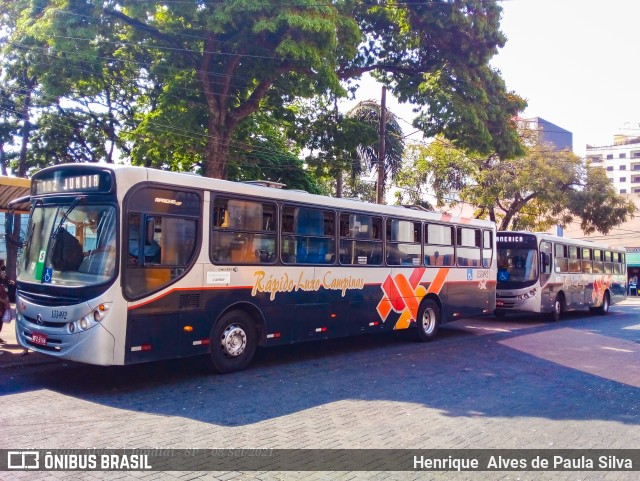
(438,248)
(146,250)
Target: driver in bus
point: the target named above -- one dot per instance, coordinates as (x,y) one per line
(151,250)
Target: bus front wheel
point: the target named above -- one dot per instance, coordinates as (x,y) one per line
(558,308)
(233,342)
(428,321)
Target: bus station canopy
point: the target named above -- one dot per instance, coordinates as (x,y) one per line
(13,188)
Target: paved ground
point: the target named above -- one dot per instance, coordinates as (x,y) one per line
(11,353)
(515,383)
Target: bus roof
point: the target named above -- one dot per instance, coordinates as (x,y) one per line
(131,175)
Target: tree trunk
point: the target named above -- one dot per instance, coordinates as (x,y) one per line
(12,248)
(217,151)
(3,160)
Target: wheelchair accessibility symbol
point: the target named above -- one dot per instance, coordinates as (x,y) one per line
(469,274)
(48,274)
(503,276)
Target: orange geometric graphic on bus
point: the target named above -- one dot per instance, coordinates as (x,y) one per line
(600,286)
(404,295)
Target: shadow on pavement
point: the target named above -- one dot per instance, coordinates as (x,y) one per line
(462,373)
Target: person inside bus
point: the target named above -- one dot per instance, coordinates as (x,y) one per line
(151,248)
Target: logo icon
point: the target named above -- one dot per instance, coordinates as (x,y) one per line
(403,295)
(23,460)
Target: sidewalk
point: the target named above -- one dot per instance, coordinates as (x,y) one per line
(631,301)
(11,352)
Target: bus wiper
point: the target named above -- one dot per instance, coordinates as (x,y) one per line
(65,216)
(53,238)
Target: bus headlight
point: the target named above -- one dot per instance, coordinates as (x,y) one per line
(90,320)
(100,312)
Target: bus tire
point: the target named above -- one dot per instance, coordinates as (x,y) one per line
(233,342)
(428,321)
(606,302)
(558,308)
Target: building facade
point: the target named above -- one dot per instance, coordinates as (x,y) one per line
(621,160)
(547,133)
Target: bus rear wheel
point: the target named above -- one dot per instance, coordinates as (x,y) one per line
(604,308)
(233,343)
(428,321)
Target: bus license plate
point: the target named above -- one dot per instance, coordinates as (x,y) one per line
(40,339)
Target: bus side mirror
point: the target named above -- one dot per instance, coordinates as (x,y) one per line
(10,219)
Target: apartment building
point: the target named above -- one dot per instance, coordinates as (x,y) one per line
(621,161)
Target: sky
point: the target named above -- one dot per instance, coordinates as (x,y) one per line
(576,62)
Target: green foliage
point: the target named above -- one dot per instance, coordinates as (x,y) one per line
(172,84)
(262,151)
(368,113)
(436,54)
(597,205)
(435,170)
(543,188)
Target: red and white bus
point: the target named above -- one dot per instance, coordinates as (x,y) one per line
(539,272)
(124,265)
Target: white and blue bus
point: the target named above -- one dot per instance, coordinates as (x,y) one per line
(124,265)
(540,272)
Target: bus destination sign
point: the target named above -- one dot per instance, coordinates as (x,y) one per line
(63,183)
(516,238)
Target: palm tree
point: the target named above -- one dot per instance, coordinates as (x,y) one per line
(368,112)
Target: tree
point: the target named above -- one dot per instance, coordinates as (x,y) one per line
(180,77)
(8,127)
(263,151)
(369,112)
(67,99)
(436,169)
(543,188)
(332,139)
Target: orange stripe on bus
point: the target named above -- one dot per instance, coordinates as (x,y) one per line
(408,294)
(404,321)
(438,281)
(389,287)
(384,308)
(416,276)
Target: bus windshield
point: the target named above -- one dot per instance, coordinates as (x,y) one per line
(71,245)
(517,264)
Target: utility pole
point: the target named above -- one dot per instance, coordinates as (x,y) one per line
(335,131)
(381,151)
